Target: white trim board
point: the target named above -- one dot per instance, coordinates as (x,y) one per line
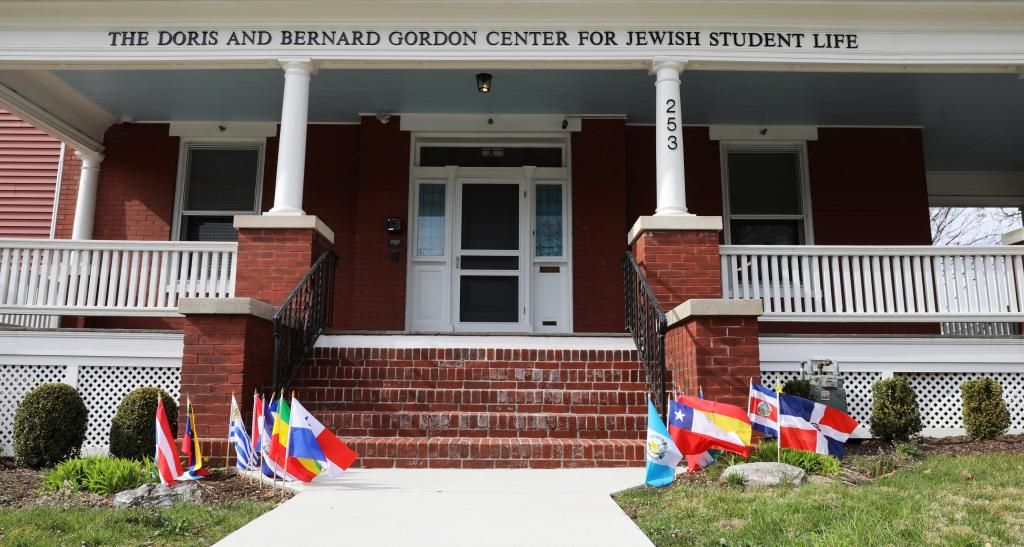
(485,341)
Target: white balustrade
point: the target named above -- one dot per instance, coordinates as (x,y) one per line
(90,277)
(907,283)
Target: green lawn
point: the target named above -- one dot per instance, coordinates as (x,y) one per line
(184,524)
(943,500)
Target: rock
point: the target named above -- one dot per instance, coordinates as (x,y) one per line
(159,495)
(767,473)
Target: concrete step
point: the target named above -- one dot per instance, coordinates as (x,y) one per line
(486,453)
(474,400)
(486,424)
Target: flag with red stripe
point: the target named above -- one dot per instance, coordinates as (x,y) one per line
(167,461)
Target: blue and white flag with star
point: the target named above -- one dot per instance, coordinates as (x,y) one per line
(662,454)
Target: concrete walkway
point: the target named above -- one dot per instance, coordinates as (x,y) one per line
(453,507)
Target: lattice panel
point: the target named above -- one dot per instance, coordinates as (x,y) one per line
(857,385)
(15,382)
(938,396)
(102,388)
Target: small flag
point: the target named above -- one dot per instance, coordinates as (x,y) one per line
(266,426)
(814,427)
(697,425)
(239,438)
(291,468)
(190,448)
(696,462)
(257,422)
(310,439)
(662,454)
(763,410)
(167,462)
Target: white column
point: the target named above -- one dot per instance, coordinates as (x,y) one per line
(291,154)
(669,139)
(85,206)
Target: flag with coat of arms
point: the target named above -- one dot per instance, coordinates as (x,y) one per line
(814,427)
(662,454)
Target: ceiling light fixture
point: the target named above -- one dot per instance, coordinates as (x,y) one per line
(483,82)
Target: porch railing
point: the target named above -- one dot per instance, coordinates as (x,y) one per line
(838,283)
(302,317)
(89,277)
(647,323)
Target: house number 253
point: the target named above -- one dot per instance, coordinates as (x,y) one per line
(672,140)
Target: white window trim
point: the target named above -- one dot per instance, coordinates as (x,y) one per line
(800,147)
(225,143)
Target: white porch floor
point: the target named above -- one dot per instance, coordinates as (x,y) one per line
(453,507)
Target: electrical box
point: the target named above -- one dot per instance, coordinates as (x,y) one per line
(826,383)
(393,225)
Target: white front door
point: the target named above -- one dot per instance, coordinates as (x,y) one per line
(489,250)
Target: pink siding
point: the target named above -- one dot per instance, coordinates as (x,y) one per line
(29,161)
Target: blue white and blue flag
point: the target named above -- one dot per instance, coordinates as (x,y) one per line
(239,438)
(662,454)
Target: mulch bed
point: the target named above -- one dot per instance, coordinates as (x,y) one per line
(946,445)
(21,487)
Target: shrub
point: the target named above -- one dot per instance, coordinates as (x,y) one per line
(98,474)
(134,426)
(811,462)
(49,425)
(908,450)
(800,388)
(894,413)
(985,413)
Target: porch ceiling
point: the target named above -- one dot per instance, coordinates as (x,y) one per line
(973,122)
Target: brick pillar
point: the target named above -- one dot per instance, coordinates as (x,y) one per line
(275,252)
(229,345)
(679,256)
(712,344)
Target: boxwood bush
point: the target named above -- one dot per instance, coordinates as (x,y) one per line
(800,388)
(133,429)
(985,413)
(49,425)
(895,416)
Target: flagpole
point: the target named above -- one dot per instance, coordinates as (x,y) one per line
(778,407)
(272,461)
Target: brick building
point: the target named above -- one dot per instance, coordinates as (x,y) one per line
(536,225)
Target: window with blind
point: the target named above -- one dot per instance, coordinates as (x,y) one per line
(766,204)
(220,181)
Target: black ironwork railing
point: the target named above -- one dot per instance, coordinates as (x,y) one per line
(302,317)
(647,323)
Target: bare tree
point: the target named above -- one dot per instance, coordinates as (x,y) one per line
(972,225)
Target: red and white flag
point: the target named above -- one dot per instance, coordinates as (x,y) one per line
(168,463)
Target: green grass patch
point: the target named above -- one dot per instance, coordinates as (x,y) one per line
(181,525)
(942,500)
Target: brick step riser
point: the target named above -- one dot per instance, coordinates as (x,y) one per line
(311,375)
(354,355)
(523,408)
(485,425)
(313,387)
(496,453)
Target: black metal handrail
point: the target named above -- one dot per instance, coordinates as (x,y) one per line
(647,323)
(302,317)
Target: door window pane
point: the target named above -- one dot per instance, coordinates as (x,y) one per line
(430,220)
(489,299)
(489,156)
(764,183)
(549,220)
(490,217)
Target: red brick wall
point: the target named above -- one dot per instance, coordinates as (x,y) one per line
(383,191)
(599,225)
(271,262)
(135,195)
(680,265)
(68,197)
(717,354)
(868,187)
(223,354)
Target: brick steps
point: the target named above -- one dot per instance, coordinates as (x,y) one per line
(486,424)
(480,400)
(490,453)
(480,408)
